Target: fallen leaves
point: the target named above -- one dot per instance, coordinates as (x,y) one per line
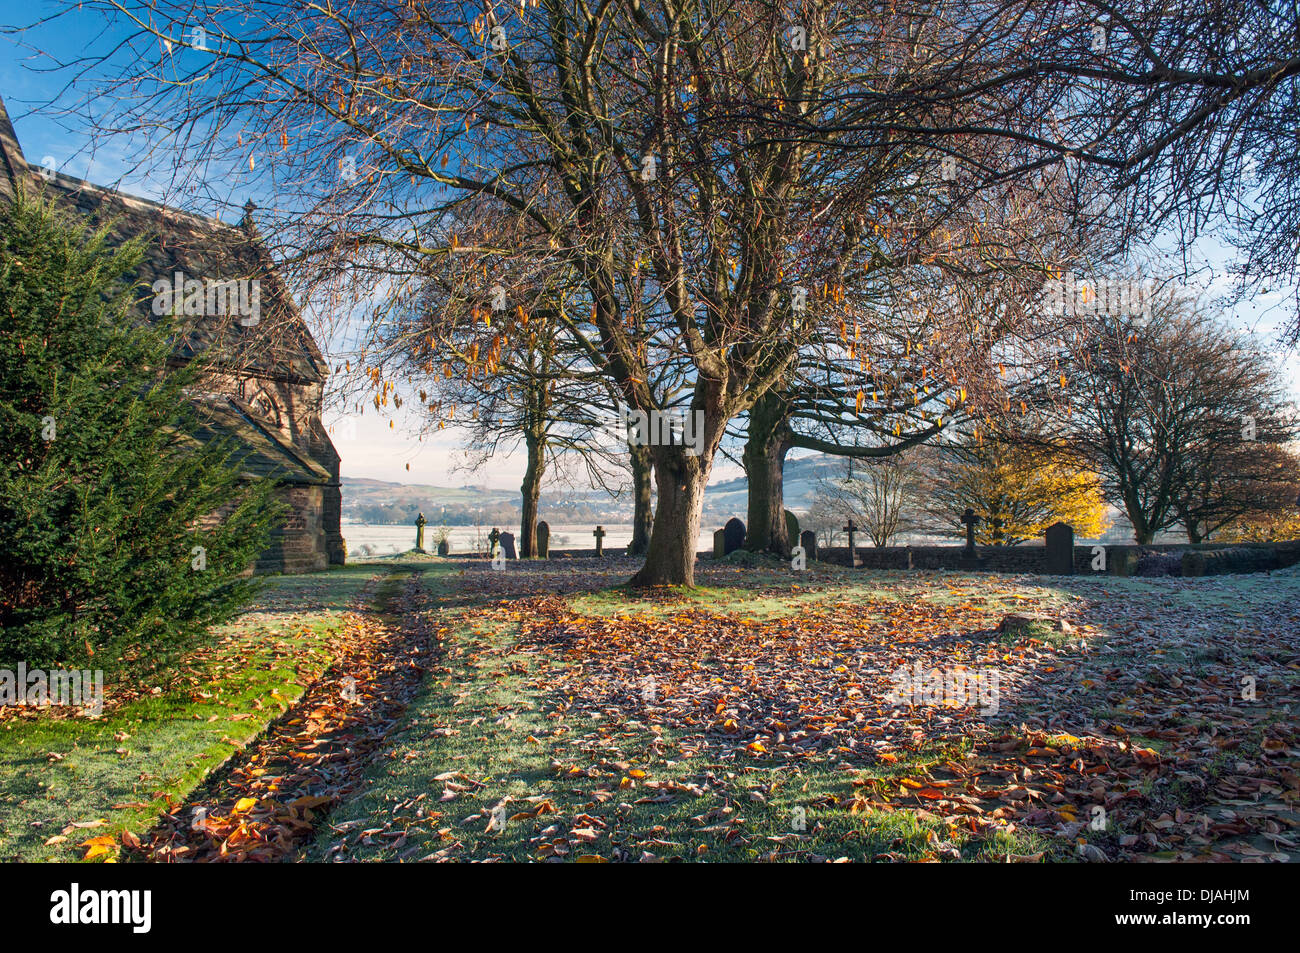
(268,799)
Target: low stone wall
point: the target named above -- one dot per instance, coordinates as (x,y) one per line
(1027,558)
(1032,558)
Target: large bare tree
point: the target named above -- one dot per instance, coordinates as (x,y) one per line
(689,162)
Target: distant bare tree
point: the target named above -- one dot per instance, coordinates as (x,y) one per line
(1173,413)
(881,495)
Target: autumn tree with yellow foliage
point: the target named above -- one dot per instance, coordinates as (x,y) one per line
(1016,491)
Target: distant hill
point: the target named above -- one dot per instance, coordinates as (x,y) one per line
(799,481)
(361,490)
(379,501)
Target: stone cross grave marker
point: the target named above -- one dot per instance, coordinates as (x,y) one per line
(970,519)
(419,533)
(494,538)
(599,533)
(853,542)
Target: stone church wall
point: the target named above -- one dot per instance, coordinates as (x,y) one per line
(300,545)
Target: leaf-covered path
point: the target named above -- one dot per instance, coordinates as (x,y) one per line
(266,800)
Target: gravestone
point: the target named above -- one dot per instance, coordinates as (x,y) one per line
(1060,549)
(508,544)
(543,540)
(444,548)
(808,540)
(1122,562)
(494,538)
(733,535)
(719,543)
(599,533)
(969,557)
(970,519)
(791,528)
(853,542)
(419,533)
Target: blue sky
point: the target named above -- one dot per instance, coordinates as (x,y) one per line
(371,446)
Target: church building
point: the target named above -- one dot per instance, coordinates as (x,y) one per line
(265,377)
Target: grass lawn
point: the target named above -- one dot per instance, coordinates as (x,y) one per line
(569,719)
(68,780)
(765,715)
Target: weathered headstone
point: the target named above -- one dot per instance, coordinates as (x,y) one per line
(599,533)
(494,538)
(970,519)
(719,543)
(853,542)
(508,544)
(543,540)
(444,548)
(791,528)
(969,557)
(419,533)
(808,540)
(733,535)
(1060,549)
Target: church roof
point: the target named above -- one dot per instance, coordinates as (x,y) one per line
(261,451)
(279,345)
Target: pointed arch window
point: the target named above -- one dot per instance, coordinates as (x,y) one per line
(264,406)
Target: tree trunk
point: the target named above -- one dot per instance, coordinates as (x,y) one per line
(531,489)
(764,459)
(1194,527)
(1142,531)
(642,515)
(680,479)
